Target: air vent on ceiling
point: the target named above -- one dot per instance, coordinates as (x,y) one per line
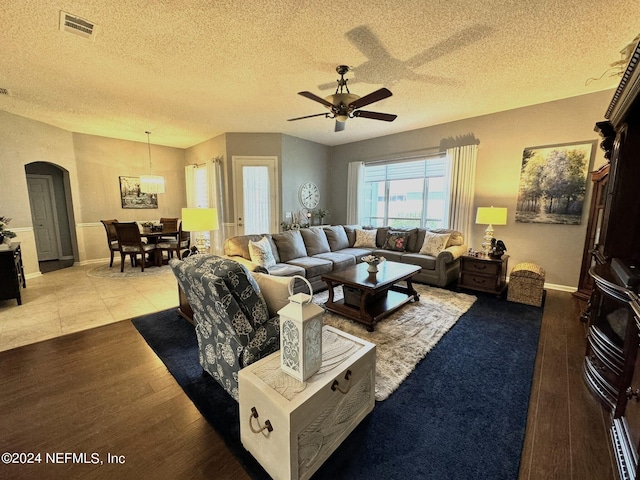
(79,26)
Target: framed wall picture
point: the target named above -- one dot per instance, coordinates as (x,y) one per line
(132,197)
(553,183)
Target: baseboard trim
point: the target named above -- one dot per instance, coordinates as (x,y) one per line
(561,288)
(94,261)
(555,286)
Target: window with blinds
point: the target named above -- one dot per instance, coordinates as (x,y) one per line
(406,194)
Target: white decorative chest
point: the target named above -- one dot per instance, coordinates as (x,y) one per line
(292,427)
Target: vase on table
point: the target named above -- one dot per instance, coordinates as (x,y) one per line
(372,262)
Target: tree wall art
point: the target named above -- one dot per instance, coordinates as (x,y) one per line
(553,183)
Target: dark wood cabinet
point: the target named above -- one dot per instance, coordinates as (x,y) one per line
(590,255)
(612,342)
(625,429)
(11,273)
(611,364)
(484,274)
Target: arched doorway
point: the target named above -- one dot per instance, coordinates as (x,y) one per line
(52,215)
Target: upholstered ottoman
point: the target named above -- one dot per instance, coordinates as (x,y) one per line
(526,284)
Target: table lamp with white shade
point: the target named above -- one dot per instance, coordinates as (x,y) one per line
(200,220)
(490,216)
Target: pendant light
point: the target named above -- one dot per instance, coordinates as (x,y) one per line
(151,183)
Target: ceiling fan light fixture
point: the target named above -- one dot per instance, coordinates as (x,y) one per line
(151,183)
(343,106)
(338,99)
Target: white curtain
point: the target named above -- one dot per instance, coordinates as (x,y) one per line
(215,194)
(190,184)
(190,181)
(462,164)
(355,191)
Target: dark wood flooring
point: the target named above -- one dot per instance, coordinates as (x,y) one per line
(104,391)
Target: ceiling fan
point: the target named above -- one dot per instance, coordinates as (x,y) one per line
(344,105)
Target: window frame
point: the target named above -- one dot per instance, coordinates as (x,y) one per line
(440,171)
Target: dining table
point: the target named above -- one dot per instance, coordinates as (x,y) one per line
(153,237)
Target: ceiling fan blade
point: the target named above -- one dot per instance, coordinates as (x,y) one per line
(385,117)
(315,98)
(371,98)
(339,126)
(308,116)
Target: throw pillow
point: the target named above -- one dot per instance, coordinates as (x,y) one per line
(434,243)
(396,241)
(315,240)
(261,253)
(290,245)
(455,238)
(365,238)
(275,291)
(337,237)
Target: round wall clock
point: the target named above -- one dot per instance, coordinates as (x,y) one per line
(309,195)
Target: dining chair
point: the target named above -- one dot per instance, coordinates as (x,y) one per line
(171,225)
(177,246)
(131,243)
(112,237)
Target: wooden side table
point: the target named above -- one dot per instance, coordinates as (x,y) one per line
(483,273)
(184,309)
(11,273)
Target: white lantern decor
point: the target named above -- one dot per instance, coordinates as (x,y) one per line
(301,335)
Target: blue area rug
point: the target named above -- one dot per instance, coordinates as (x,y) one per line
(460,415)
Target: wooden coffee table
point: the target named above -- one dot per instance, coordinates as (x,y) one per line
(368,297)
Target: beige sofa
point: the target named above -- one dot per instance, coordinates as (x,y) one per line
(313,252)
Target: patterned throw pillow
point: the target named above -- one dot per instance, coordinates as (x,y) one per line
(396,241)
(365,238)
(261,253)
(434,243)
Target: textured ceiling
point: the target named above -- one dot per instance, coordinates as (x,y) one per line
(191,70)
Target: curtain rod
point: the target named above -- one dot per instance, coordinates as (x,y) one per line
(410,155)
(216,160)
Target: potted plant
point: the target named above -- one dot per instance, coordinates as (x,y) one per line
(5,234)
(321,213)
(146,226)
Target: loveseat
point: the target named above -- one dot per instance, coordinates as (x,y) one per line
(313,252)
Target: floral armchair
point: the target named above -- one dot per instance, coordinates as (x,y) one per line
(231,317)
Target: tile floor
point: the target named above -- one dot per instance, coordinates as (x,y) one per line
(71,299)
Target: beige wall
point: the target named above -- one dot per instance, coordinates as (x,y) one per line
(100,163)
(93,164)
(502,137)
(24,141)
